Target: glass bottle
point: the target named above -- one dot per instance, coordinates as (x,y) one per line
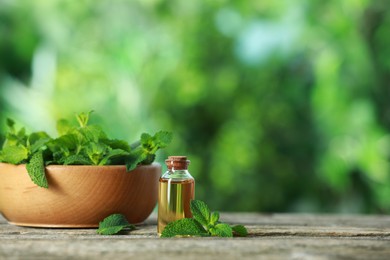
(176,190)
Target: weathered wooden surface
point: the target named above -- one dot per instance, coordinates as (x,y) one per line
(275,236)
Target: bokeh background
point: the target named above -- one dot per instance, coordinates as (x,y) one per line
(281,106)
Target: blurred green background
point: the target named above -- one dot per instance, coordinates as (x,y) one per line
(281,106)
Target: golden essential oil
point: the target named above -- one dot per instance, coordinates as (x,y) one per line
(176,190)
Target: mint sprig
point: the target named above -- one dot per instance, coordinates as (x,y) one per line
(201,212)
(203,223)
(36,170)
(113,224)
(144,150)
(184,227)
(239,230)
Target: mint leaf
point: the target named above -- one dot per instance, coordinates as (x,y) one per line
(64,127)
(221,230)
(68,142)
(149,158)
(83,118)
(184,227)
(91,133)
(37,141)
(200,212)
(152,143)
(14,138)
(240,230)
(21,135)
(14,154)
(112,154)
(36,170)
(163,139)
(214,218)
(134,159)
(135,144)
(117,144)
(147,141)
(113,224)
(95,152)
(77,159)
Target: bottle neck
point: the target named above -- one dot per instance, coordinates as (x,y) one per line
(178,171)
(177,174)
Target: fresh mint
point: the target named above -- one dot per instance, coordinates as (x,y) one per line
(77,144)
(15,149)
(113,224)
(221,230)
(36,141)
(203,223)
(144,151)
(77,159)
(36,170)
(239,230)
(184,227)
(200,212)
(214,218)
(83,118)
(14,154)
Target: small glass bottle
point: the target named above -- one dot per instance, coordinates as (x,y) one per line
(176,190)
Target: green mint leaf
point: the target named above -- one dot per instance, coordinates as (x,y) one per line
(91,133)
(64,127)
(112,154)
(14,154)
(152,143)
(146,139)
(37,141)
(214,218)
(13,137)
(59,157)
(131,163)
(83,118)
(163,139)
(117,144)
(95,152)
(200,212)
(22,134)
(184,227)
(149,158)
(221,230)
(66,142)
(239,230)
(135,157)
(113,224)
(36,170)
(135,144)
(77,159)
(149,146)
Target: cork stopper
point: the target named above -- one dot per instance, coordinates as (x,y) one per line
(177,162)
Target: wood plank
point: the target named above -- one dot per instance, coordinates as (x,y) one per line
(273,236)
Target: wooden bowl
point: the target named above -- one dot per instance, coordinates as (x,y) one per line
(78,196)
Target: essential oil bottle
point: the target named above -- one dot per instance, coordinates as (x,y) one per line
(176,190)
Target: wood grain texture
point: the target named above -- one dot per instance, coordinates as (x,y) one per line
(78,196)
(274,236)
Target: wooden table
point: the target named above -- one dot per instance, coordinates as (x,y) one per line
(274,236)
